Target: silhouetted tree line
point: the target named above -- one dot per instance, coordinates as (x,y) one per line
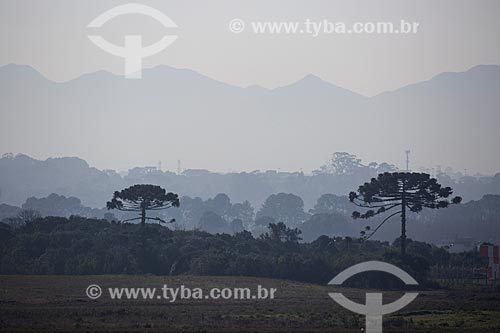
(32,244)
(22,177)
(55,245)
(331,216)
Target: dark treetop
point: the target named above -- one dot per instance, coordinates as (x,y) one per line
(140,198)
(400,190)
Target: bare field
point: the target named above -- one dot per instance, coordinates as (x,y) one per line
(59,304)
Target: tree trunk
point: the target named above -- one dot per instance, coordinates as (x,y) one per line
(143,216)
(403,219)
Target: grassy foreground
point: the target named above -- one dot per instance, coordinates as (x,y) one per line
(59,303)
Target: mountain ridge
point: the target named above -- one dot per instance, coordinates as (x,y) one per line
(27,69)
(292,127)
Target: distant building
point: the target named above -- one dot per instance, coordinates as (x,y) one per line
(492,253)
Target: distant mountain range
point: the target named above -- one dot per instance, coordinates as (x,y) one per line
(452,119)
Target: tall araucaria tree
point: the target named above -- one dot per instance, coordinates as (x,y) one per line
(141,198)
(400,191)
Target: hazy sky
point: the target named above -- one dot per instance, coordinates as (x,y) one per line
(453,36)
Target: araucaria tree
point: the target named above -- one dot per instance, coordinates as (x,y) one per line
(400,191)
(141,198)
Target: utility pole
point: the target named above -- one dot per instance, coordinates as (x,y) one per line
(403,218)
(407,152)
